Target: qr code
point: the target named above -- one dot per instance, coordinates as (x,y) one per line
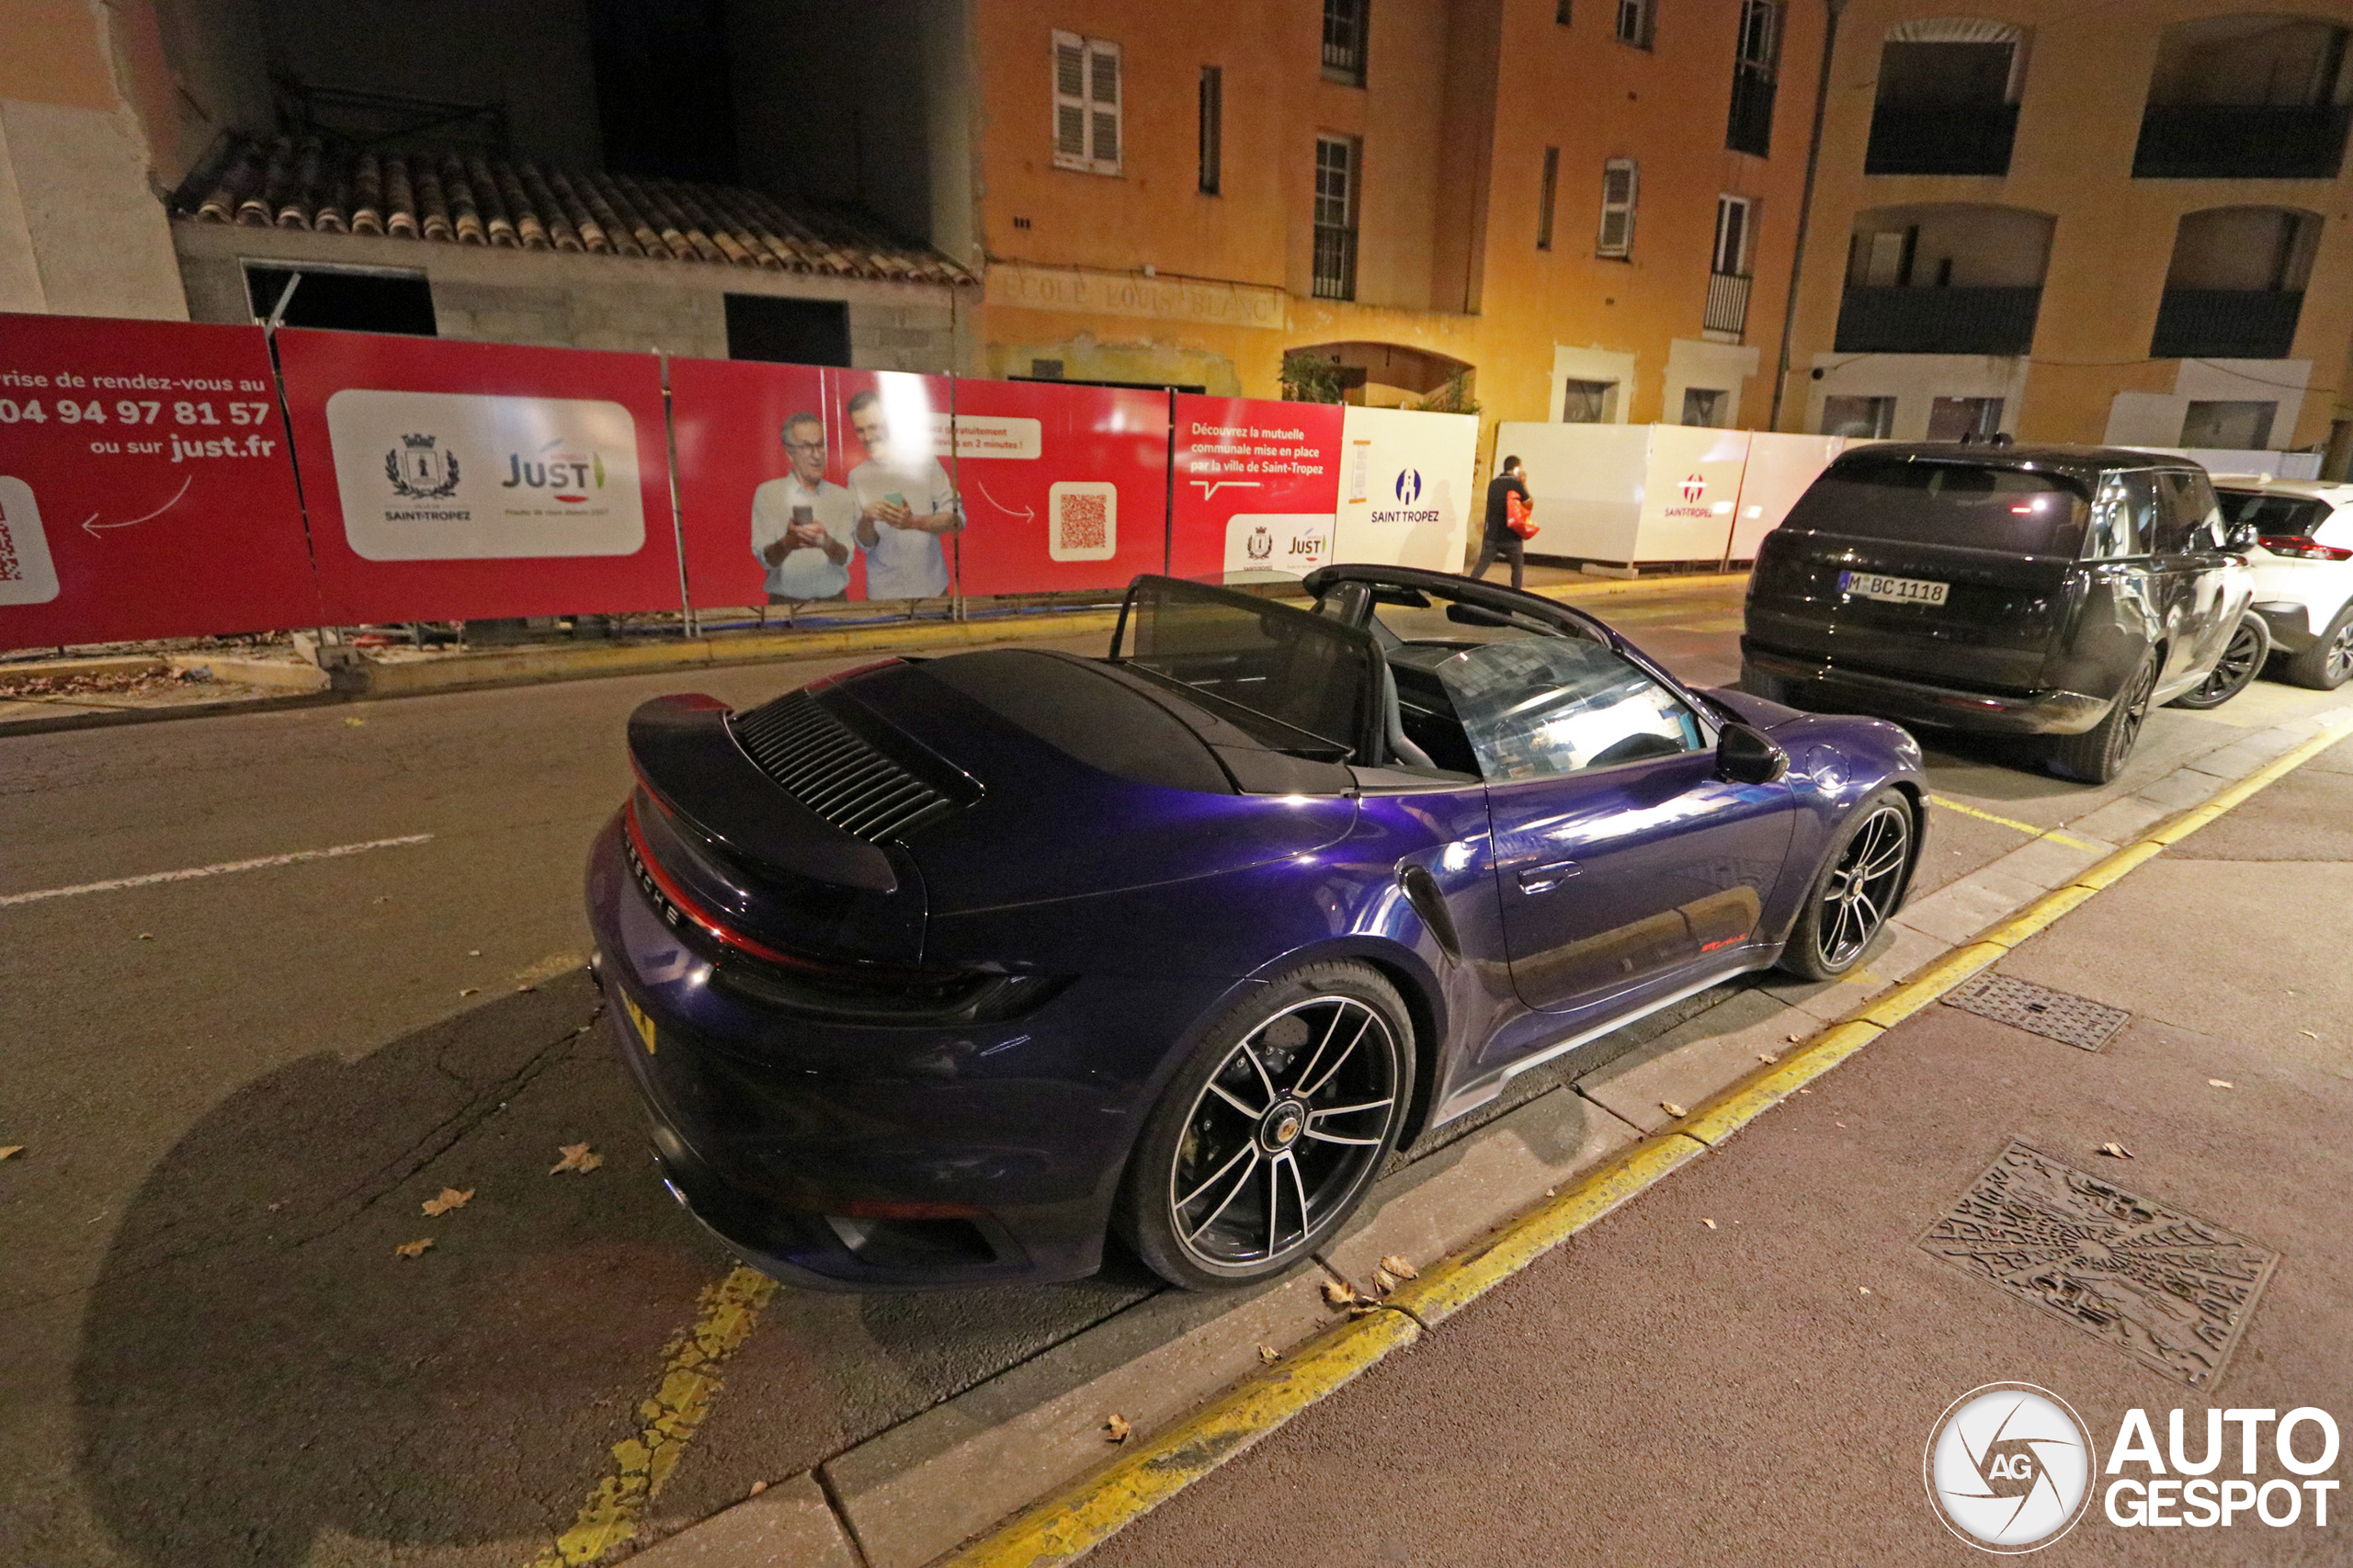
(1083,521)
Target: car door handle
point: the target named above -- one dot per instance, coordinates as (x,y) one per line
(1543,879)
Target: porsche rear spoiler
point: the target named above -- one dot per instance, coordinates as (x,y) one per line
(689,758)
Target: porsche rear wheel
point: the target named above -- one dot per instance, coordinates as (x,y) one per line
(1859,887)
(1270,1135)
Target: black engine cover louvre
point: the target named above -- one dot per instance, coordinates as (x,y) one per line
(833,771)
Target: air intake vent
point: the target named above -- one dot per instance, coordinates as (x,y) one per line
(828,767)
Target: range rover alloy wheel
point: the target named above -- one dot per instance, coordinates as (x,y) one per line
(2243,656)
(1858,889)
(2098,754)
(1271,1134)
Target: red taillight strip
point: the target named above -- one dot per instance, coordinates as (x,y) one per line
(695,912)
(2302,549)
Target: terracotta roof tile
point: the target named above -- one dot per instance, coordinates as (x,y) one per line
(450,198)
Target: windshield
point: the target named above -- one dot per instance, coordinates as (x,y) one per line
(1540,706)
(2288,517)
(1299,682)
(2012,510)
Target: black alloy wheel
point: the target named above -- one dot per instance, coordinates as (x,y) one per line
(1856,891)
(2243,656)
(1267,1141)
(2098,754)
(2327,663)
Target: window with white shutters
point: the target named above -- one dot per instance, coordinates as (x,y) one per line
(1618,192)
(1087,104)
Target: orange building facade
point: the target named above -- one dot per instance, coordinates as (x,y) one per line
(1542,205)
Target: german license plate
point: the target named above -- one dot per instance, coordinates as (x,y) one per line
(1893,590)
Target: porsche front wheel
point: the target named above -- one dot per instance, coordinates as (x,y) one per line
(1273,1130)
(1859,887)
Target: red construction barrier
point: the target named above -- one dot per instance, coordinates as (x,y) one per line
(146,488)
(1258,486)
(451,481)
(1065,487)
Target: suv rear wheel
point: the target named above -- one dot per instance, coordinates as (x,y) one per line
(2327,663)
(2098,754)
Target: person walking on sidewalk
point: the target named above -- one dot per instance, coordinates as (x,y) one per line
(1499,539)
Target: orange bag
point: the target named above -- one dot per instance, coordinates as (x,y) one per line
(1516,514)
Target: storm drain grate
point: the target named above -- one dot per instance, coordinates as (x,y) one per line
(2173,1291)
(2038,1009)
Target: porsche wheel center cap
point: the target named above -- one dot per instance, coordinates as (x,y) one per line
(1285,1120)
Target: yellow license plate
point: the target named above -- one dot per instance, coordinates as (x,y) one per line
(638,1020)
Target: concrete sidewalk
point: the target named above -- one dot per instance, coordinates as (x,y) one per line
(136,686)
(1744,1364)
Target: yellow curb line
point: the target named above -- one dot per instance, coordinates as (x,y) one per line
(2053,833)
(1074,1521)
(643,1465)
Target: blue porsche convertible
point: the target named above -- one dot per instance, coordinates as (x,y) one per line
(940,971)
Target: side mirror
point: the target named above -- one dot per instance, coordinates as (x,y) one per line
(1745,754)
(2239,535)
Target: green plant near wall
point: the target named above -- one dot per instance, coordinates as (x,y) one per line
(1308,379)
(1452,398)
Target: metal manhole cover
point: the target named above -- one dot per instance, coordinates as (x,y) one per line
(2171,1289)
(2038,1009)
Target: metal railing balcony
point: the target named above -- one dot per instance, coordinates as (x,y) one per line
(1938,320)
(1336,263)
(1727,302)
(2240,141)
(2226,324)
(1941,138)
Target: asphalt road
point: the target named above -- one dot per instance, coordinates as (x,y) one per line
(235,1091)
(1744,1365)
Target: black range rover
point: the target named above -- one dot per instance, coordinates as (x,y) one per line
(2050,591)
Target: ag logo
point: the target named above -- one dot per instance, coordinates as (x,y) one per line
(420,469)
(1693,488)
(1409,485)
(2008,1468)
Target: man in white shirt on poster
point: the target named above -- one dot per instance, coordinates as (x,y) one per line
(801,524)
(905,505)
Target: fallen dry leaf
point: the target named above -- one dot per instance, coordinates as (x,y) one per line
(355,724)
(1709,1223)
(2221,1083)
(2308,1034)
(1864,1289)
(1383,1283)
(522,988)
(1767,1056)
(576,1157)
(1795,1037)
(147,936)
(11,1151)
(450,1199)
(1339,1294)
(758,1487)
(469,991)
(2116,1151)
(1117,1428)
(1672,1108)
(414,1249)
(1400,1268)
(1270,1354)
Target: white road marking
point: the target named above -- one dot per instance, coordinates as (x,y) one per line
(223,868)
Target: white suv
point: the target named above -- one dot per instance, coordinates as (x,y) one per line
(2302,564)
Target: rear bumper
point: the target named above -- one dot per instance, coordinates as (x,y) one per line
(2291,627)
(2042,712)
(841,1158)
